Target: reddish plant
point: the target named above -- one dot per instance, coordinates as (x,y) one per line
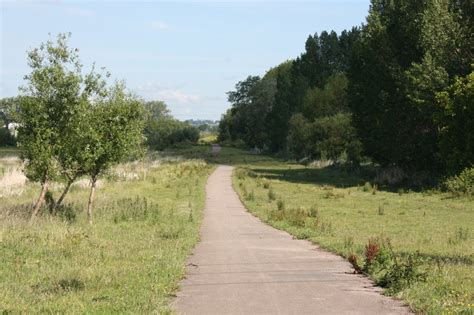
(372,249)
(353,260)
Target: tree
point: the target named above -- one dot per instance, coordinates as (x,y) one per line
(334,135)
(49,102)
(163,131)
(300,137)
(456,119)
(115,133)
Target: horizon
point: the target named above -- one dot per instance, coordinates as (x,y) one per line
(186,53)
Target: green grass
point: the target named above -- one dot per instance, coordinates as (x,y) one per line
(331,208)
(129,261)
(148,217)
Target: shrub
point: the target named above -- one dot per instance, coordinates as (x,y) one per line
(295,217)
(250,196)
(403,273)
(367,187)
(280,204)
(390,271)
(6,138)
(314,212)
(462,184)
(271,195)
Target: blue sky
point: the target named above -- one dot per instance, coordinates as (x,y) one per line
(187,53)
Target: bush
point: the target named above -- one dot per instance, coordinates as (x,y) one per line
(390,271)
(6,138)
(271,195)
(462,184)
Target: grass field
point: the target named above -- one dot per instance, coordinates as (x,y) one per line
(340,212)
(129,261)
(147,221)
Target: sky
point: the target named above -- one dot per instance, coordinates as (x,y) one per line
(186,53)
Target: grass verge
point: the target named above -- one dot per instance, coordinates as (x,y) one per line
(420,244)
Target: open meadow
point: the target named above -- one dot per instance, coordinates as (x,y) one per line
(427,234)
(130,260)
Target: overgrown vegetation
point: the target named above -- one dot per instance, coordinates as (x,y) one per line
(132,258)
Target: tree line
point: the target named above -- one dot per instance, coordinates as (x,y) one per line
(70,124)
(398,89)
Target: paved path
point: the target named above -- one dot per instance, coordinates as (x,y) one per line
(243,266)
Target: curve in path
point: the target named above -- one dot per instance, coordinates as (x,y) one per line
(243,266)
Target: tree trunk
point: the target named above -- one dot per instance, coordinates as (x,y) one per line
(90,204)
(44,188)
(63,195)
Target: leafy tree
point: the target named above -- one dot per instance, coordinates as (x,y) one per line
(49,102)
(300,137)
(335,136)
(456,121)
(163,131)
(115,133)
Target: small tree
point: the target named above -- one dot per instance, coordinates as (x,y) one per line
(48,103)
(114,133)
(52,112)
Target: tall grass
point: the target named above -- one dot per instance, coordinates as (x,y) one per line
(129,261)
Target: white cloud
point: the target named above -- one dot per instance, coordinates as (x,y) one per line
(169,94)
(159,25)
(178,96)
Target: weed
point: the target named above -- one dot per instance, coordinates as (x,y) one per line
(313,212)
(250,196)
(372,249)
(403,273)
(460,235)
(462,184)
(367,187)
(271,195)
(381,210)
(374,189)
(71,284)
(296,216)
(266,185)
(353,260)
(280,204)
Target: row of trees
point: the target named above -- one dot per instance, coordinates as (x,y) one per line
(399,90)
(163,131)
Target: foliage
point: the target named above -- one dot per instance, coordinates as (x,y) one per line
(462,184)
(409,51)
(163,131)
(8,111)
(455,120)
